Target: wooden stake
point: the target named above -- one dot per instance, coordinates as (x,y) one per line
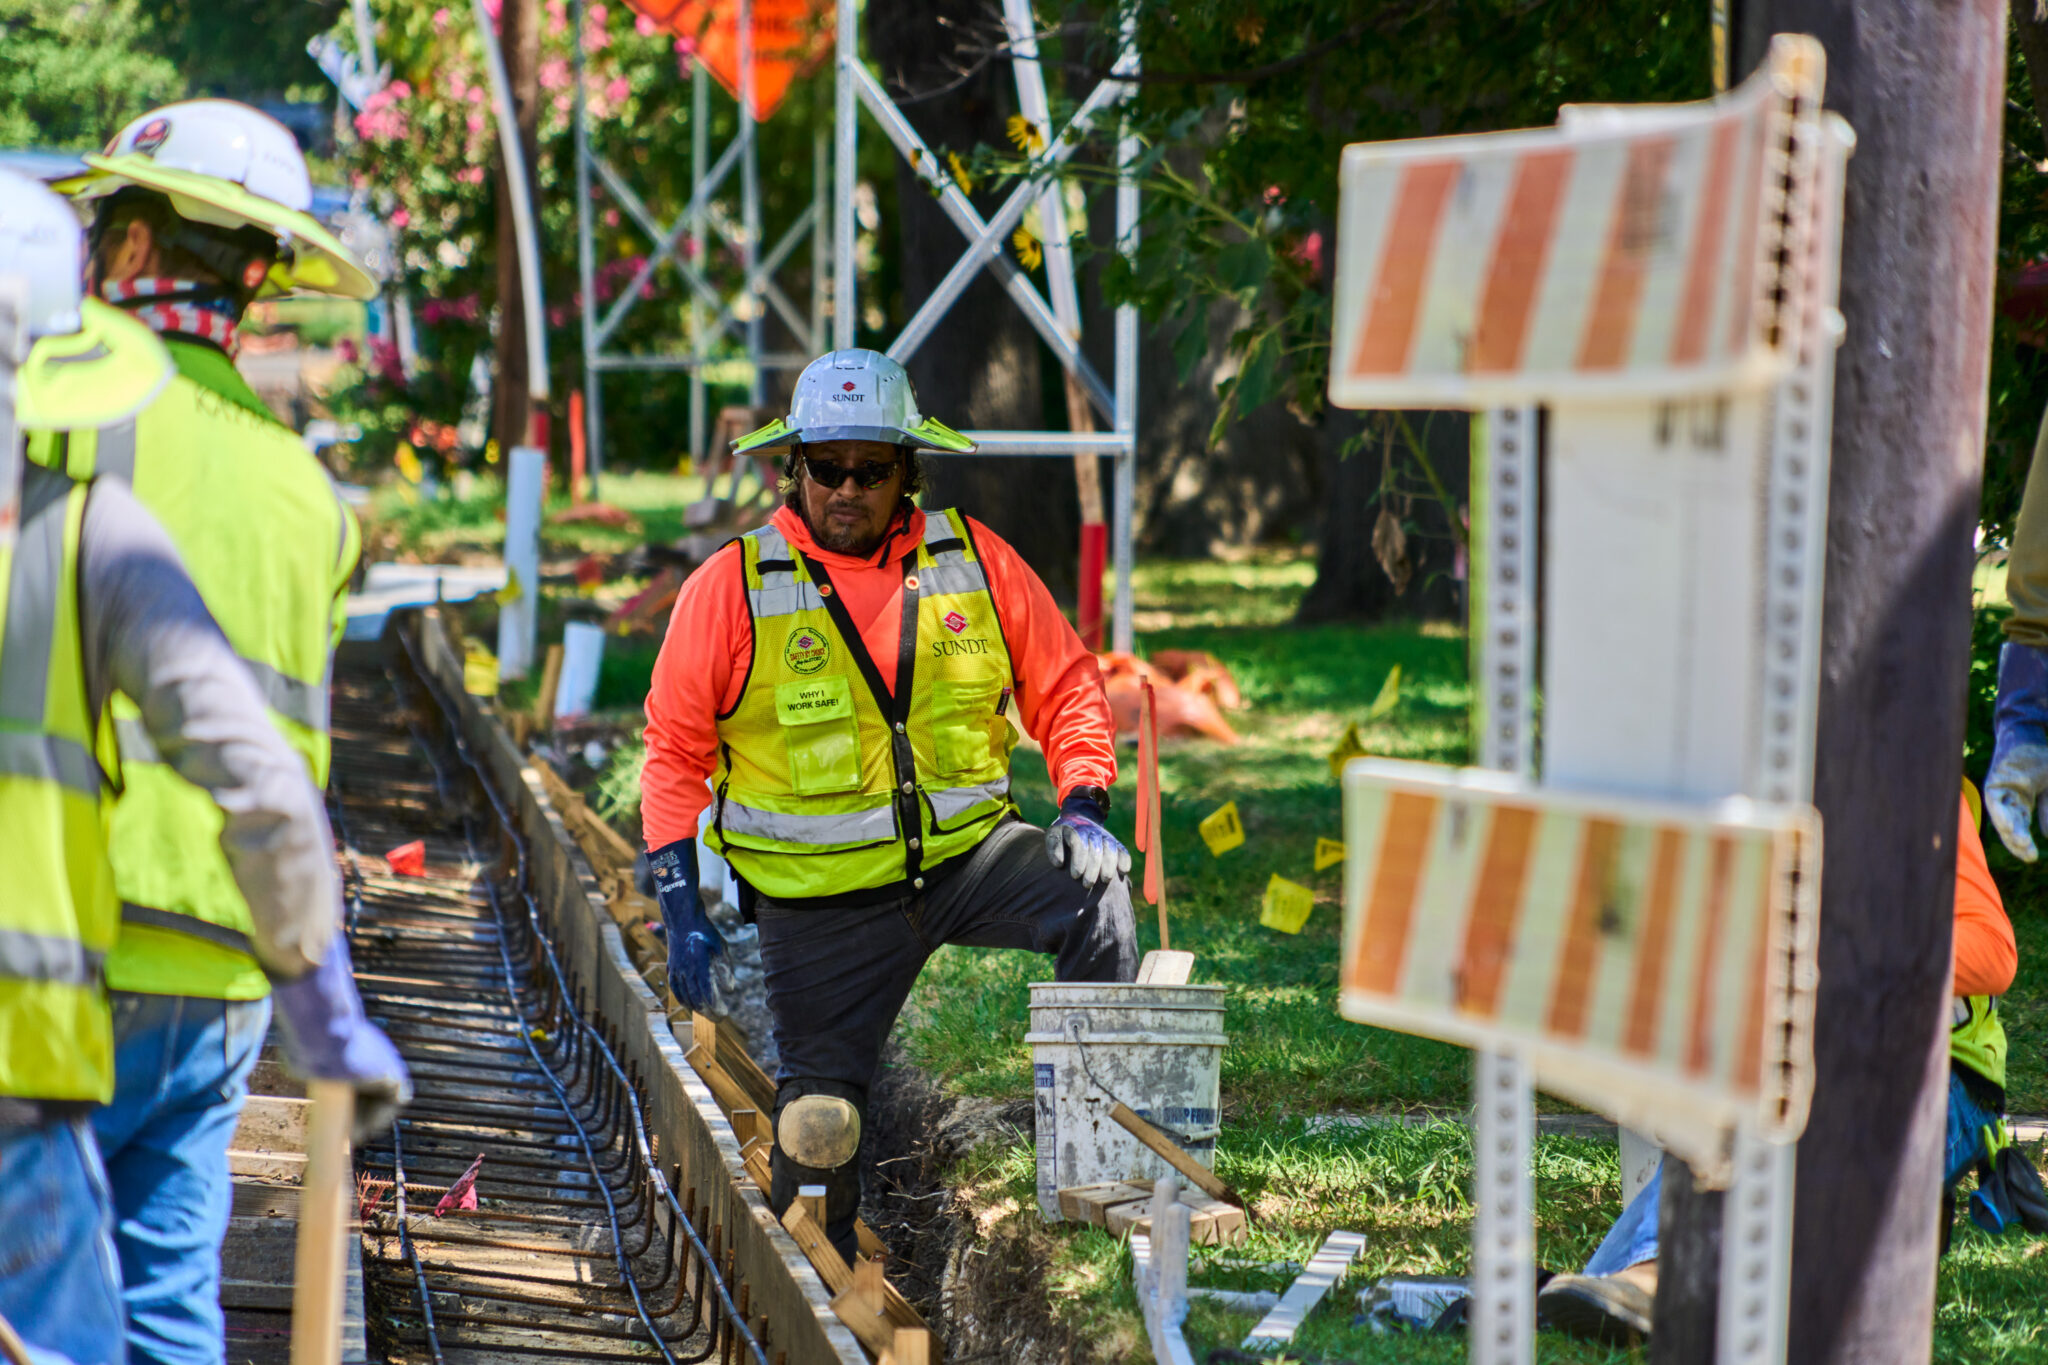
(1175,1157)
(550,683)
(323,1226)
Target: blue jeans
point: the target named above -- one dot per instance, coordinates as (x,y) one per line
(1633,1238)
(181,1072)
(59,1285)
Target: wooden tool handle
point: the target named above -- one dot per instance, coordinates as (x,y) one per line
(1175,1156)
(323,1226)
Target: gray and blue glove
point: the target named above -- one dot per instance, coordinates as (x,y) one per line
(699,972)
(2019,756)
(1078,842)
(327,1038)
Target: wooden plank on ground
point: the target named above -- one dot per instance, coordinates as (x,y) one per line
(1091,1203)
(1317,1278)
(1211,1222)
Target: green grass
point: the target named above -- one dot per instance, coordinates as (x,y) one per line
(446,526)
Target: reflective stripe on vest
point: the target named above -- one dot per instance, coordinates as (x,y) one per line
(207,470)
(57,914)
(812,799)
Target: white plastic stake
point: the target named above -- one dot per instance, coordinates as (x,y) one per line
(525,483)
(582,653)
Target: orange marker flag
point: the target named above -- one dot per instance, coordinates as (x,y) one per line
(1154,885)
(1145,760)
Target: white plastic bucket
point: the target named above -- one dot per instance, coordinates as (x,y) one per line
(1158,1049)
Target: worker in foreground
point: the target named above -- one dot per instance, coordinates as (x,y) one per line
(844,678)
(1614,1300)
(96,600)
(198,209)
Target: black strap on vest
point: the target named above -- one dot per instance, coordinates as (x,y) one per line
(896,705)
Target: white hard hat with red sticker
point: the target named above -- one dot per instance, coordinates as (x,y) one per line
(854,395)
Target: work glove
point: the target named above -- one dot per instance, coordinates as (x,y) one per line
(1078,842)
(699,972)
(2019,756)
(326,1038)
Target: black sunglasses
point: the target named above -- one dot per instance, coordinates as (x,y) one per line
(866,474)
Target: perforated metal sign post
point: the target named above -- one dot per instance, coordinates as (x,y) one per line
(14,343)
(1661,281)
(986,238)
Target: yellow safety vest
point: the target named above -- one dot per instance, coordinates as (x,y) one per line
(270,547)
(57,910)
(828,784)
(1977,1038)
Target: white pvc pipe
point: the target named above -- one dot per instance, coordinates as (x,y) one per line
(525,231)
(518,618)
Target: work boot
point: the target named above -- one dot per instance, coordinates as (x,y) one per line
(1613,1309)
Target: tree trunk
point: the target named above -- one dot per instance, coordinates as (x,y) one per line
(981,366)
(1353,578)
(1923,87)
(519,36)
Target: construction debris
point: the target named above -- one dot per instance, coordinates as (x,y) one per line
(1321,1274)
(1189,703)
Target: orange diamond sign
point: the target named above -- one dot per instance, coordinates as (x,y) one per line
(790,38)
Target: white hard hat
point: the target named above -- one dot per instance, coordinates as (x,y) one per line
(230,166)
(854,395)
(89,364)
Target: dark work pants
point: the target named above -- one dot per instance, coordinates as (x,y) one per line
(837,978)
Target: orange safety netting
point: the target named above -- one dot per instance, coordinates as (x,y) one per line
(790,38)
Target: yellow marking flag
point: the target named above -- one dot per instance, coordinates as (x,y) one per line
(1348,748)
(510,592)
(1329,852)
(1389,697)
(408,462)
(479,672)
(1222,830)
(1286,906)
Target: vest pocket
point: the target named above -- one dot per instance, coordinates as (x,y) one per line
(961,738)
(820,734)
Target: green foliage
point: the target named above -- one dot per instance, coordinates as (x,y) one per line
(74,72)
(244,48)
(2019,370)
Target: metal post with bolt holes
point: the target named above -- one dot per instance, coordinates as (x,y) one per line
(1694,676)
(714,317)
(985,250)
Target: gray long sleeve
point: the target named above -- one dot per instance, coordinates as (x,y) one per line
(147,633)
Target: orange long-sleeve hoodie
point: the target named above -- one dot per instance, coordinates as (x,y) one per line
(710,643)
(1986,956)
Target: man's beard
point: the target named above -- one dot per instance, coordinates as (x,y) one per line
(847,541)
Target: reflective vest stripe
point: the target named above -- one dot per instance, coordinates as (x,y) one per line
(134,742)
(131,913)
(290,697)
(950,578)
(114,455)
(51,758)
(951,802)
(44,957)
(32,601)
(854,827)
(781,595)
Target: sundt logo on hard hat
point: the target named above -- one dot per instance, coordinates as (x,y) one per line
(807,651)
(152,135)
(848,386)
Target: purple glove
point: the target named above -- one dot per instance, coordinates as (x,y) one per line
(326,1038)
(1078,842)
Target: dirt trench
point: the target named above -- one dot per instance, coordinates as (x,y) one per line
(984,1291)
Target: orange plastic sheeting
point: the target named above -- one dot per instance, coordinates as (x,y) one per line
(1986,956)
(705,658)
(790,38)
(1190,690)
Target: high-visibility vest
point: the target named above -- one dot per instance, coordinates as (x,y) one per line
(1977,1038)
(57,910)
(269,545)
(827,783)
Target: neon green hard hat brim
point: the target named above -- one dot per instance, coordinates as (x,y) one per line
(928,434)
(319,263)
(110,368)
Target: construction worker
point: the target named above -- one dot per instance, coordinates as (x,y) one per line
(1614,1299)
(844,678)
(198,209)
(96,600)
(2018,776)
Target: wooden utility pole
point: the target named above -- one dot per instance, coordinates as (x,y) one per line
(1923,86)
(519,35)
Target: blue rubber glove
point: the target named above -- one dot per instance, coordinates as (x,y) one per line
(1078,842)
(326,1038)
(698,971)
(2019,756)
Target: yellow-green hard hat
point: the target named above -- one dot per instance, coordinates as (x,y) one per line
(88,363)
(226,164)
(854,395)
